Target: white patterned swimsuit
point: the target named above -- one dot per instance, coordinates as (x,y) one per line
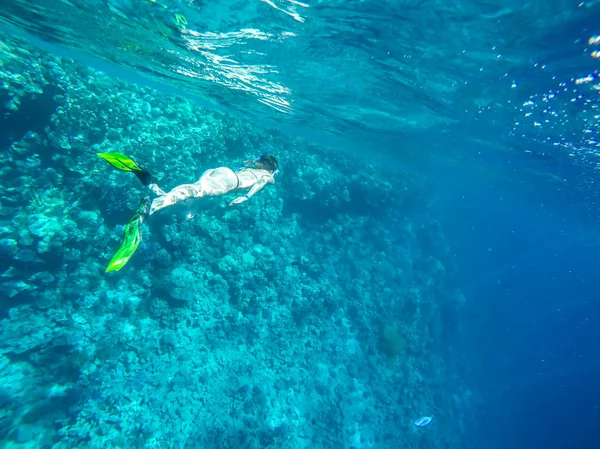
(213,182)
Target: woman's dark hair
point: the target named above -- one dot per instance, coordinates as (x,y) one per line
(268,162)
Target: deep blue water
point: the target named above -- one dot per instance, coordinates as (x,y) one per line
(478,102)
(530,265)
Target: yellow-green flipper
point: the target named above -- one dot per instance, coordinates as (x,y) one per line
(120,161)
(132,237)
(125,163)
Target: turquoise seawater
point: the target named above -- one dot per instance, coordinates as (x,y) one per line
(428,246)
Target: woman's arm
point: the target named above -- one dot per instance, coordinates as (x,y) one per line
(254,189)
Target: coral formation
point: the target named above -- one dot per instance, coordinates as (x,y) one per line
(257,326)
(392,343)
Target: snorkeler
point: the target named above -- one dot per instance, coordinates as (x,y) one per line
(214,182)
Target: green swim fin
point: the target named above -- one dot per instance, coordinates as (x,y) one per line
(125,163)
(132,237)
(120,161)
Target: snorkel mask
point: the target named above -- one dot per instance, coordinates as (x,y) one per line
(266,161)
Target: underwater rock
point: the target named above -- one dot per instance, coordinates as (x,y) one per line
(30,111)
(26,255)
(391,342)
(42,226)
(25,433)
(12,288)
(25,238)
(90,218)
(11,272)
(181,284)
(44,277)
(8,247)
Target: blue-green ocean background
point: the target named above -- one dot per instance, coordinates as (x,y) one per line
(430,246)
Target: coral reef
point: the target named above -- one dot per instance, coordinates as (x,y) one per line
(313,315)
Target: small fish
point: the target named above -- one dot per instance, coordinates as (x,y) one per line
(299,262)
(424,420)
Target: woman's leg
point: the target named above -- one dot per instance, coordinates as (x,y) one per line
(178,194)
(156,190)
(213,182)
